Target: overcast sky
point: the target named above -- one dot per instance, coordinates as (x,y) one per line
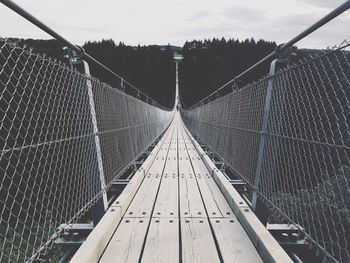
(161,22)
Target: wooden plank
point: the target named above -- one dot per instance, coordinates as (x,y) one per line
(173,148)
(157,167)
(191,204)
(197,241)
(234,243)
(159,161)
(167,201)
(196,160)
(124,199)
(214,202)
(162,243)
(127,242)
(129,191)
(162,154)
(185,167)
(91,250)
(171,166)
(150,159)
(166,204)
(142,204)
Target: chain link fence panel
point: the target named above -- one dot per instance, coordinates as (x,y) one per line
(304,164)
(49,170)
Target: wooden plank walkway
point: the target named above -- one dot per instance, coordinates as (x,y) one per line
(177,213)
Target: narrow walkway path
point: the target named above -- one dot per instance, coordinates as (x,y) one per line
(178,213)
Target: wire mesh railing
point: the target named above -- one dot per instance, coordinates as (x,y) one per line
(288,137)
(49,165)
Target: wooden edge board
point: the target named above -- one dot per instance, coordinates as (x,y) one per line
(92,249)
(264,242)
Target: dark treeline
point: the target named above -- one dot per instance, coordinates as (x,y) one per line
(150,68)
(206,65)
(209,64)
(50,48)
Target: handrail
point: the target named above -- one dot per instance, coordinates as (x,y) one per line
(321,22)
(28,16)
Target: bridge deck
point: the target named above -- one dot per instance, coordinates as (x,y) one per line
(176,212)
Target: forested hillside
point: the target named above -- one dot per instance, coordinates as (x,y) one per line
(150,68)
(206,66)
(209,64)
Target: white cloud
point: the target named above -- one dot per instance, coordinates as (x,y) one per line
(156,21)
(323,3)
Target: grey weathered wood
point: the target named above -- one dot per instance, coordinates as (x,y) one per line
(191,204)
(124,199)
(162,243)
(171,166)
(93,247)
(158,164)
(150,159)
(166,204)
(161,158)
(234,244)
(142,204)
(197,241)
(214,202)
(127,242)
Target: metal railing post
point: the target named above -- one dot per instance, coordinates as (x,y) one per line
(258,206)
(99,209)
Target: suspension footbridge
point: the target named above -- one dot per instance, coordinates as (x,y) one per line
(179,205)
(256,172)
